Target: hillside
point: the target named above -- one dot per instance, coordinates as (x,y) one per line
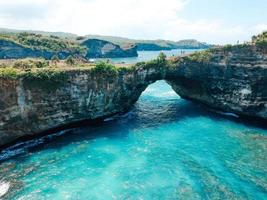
(142,45)
(46,33)
(22,45)
(148,45)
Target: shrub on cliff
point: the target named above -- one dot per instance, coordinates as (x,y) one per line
(162,58)
(200,56)
(260,41)
(159,62)
(28,64)
(105,68)
(262,45)
(48,79)
(8,73)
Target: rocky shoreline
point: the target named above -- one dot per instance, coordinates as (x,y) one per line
(232,80)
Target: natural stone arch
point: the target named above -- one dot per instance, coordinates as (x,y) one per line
(85,95)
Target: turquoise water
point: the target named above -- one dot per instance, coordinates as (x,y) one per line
(164,148)
(149,55)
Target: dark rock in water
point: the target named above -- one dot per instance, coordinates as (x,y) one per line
(232,81)
(104,49)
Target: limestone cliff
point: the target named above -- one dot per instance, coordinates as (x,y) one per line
(230,80)
(24,45)
(104,49)
(29,108)
(12,50)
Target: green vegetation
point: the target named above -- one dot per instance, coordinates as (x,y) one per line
(42,42)
(48,79)
(162,58)
(48,75)
(30,63)
(9,73)
(38,69)
(58,34)
(260,37)
(201,56)
(152,44)
(105,68)
(160,62)
(261,41)
(227,47)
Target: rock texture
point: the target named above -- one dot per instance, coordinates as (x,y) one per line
(11,50)
(30,109)
(104,49)
(95,49)
(233,81)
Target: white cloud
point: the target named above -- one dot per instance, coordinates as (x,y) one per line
(148,19)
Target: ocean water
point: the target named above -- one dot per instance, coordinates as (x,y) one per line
(164,148)
(149,55)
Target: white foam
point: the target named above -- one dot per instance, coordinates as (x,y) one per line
(4,187)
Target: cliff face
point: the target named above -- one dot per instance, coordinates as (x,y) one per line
(232,81)
(95,49)
(104,49)
(11,50)
(27,109)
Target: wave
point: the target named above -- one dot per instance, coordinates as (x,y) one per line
(4,187)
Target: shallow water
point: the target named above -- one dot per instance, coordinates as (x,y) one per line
(164,148)
(149,55)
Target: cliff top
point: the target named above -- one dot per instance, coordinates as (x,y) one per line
(123,42)
(44,42)
(248,54)
(44,69)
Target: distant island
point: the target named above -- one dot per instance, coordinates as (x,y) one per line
(15,44)
(154,45)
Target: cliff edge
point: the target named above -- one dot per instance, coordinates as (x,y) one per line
(231,79)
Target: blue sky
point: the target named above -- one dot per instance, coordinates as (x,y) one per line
(232,12)
(213,21)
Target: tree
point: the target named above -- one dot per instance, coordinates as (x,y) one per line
(70,60)
(162,58)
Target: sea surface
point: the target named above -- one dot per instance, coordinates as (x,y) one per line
(164,148)
(149,55)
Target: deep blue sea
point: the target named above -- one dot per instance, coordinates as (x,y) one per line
(164,148)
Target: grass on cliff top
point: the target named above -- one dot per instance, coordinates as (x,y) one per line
(44,42)
(40,69)
(259,41)
(43,69)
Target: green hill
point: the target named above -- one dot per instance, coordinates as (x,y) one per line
(15,45)
(45,33)
(142,45)
(154,44)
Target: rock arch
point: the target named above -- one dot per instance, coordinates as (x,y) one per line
(232,87)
